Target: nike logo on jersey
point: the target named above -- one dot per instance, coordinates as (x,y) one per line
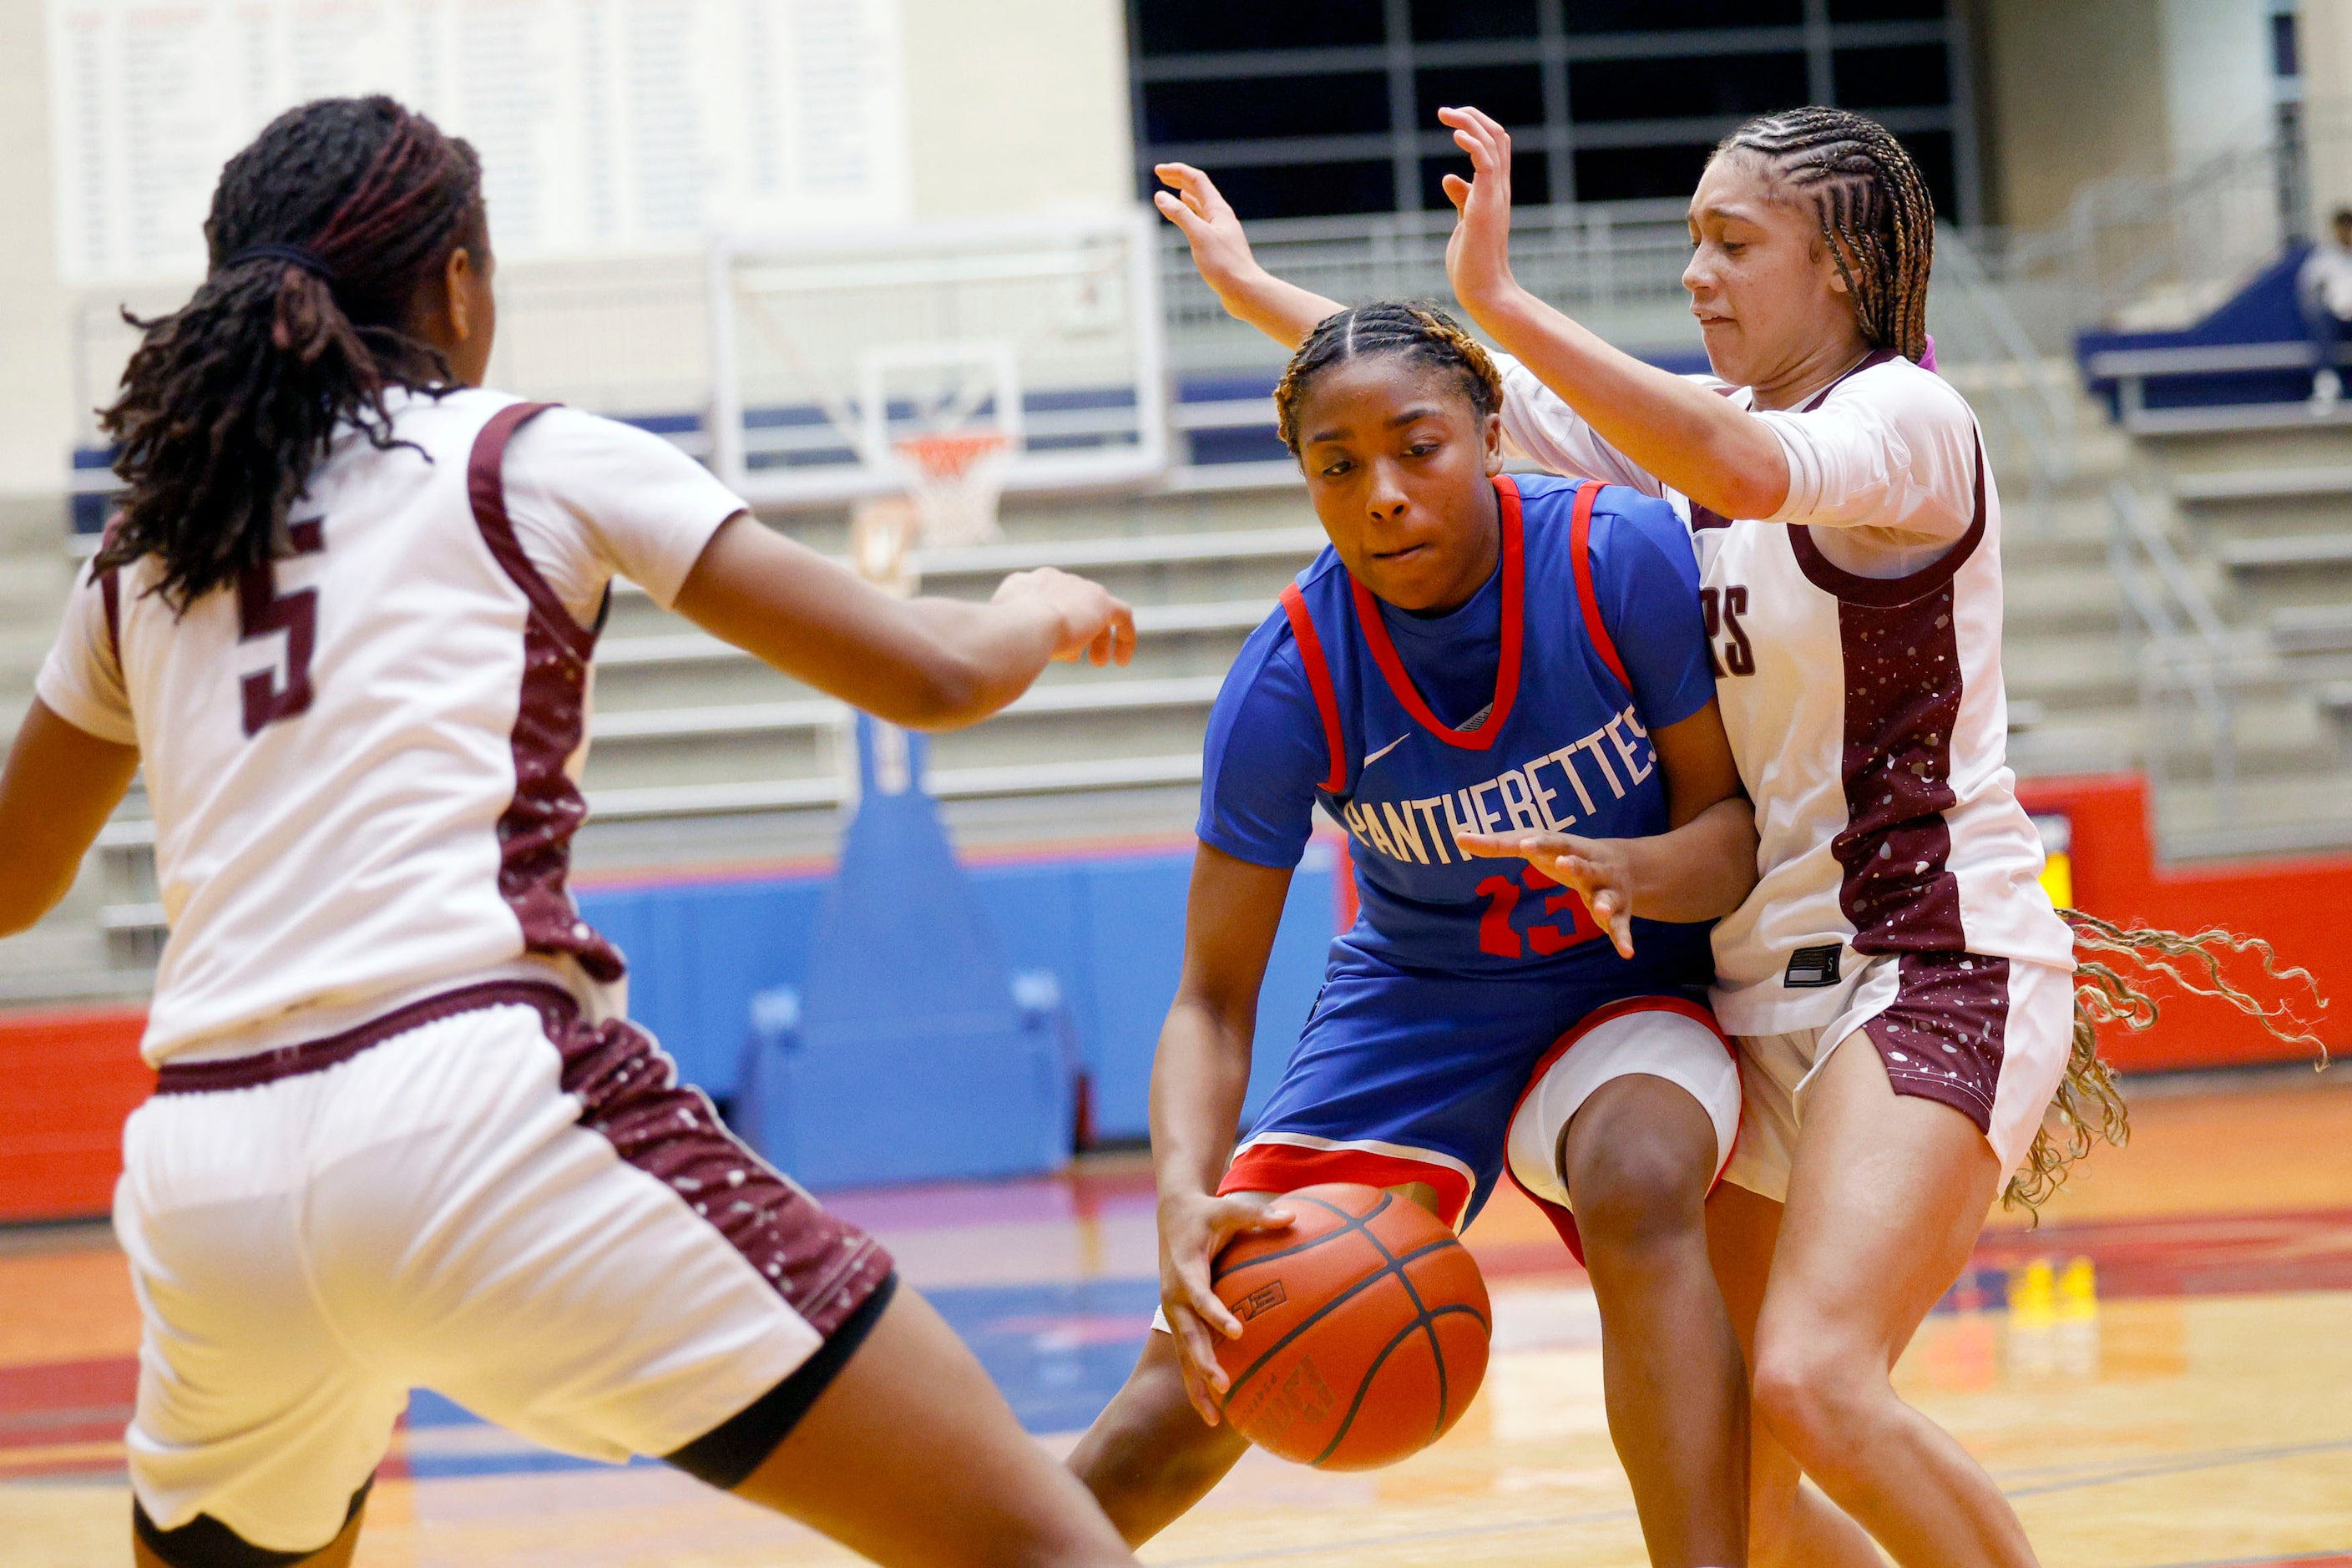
(1384,751)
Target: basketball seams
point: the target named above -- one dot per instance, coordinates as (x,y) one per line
(1426,1321)
(1348,1222)
(1393,1263)
(1371,1376)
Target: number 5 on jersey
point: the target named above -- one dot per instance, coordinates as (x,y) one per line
(261,609)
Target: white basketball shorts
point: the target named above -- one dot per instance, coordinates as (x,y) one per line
(483,1194)
(1987,1037)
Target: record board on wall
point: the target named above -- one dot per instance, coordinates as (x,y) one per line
(605,127)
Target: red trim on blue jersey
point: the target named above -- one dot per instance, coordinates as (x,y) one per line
(1506,673)
(1561,1219)
(1286,1167)
(1580,551)
(1318,681)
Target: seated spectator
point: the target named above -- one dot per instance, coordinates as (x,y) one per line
(2324,288)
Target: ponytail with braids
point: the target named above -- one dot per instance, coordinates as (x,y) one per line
(1420,333)
(321,233)
(1873,208)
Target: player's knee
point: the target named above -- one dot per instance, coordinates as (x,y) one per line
(206,1543)
(1816,1394)
(1632,1195)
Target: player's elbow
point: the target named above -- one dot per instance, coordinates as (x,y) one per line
(25,899)
(947,689)
(1746,472)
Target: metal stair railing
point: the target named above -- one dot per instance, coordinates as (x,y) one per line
(2185,646)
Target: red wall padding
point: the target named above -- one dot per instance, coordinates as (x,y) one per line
(67,1080)
(2303,907)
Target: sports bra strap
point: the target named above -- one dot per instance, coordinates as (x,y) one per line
(1579,548)
(1318,681)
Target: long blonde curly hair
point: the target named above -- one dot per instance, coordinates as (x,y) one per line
(2089,1105)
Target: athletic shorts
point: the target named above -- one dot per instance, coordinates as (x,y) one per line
(1403,1078)
(1987,1037)
(483,1194)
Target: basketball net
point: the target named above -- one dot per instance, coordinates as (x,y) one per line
(957,477)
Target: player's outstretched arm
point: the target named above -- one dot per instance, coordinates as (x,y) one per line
(1198,1079)
(1698,870)
(929,664)
(1719,456)
(61,784)
(1283,312)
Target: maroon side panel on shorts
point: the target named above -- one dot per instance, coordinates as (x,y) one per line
(1944,1037)
(823,1265)
(535,831)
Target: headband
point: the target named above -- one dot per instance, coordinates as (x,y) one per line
(308,260)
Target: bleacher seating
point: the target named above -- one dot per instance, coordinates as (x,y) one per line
(2246,365)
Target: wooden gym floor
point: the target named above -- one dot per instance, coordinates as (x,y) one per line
(2195,1410)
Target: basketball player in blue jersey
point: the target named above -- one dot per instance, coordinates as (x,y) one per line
(1500,687)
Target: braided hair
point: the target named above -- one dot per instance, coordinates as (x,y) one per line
(1421,333)
(319,235)
(1873,208)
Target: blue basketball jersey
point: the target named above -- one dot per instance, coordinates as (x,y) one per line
(1563,744)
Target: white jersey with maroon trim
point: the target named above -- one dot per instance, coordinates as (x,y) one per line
(1867,714)
(363,758)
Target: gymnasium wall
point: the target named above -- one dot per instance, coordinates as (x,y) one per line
(1108,924)
(37,414)
(1018,106)
(2072,92)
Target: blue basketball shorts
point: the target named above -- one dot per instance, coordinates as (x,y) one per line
(1409,1077)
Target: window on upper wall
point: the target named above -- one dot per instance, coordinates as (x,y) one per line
(1308,190)
(2286,44)
(1531,179)
(1932,150)
(1210,27)
(1351,103)
(1512,94)
(1689,87)
(1635,173)
(1886,10)
(1450,21)
(1654,16)
(1263,89)
(1902,77)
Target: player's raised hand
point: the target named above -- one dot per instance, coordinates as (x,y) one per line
(1193,204)
(1478,256)
(1091,622)
(1194,1228)
(1597,871)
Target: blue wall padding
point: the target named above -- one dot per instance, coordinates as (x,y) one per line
(1109,926)
(908,1060)
(697,953)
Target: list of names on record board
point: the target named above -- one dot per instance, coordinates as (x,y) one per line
(604,127)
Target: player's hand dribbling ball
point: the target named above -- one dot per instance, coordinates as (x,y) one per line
(1364,1330)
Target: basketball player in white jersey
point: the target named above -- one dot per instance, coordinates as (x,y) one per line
(1848,532)
(404,1133)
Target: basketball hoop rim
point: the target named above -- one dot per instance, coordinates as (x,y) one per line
(947,456)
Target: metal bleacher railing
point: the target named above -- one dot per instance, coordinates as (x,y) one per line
(2186,650)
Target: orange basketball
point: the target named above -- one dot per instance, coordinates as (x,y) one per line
(1363,1330)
